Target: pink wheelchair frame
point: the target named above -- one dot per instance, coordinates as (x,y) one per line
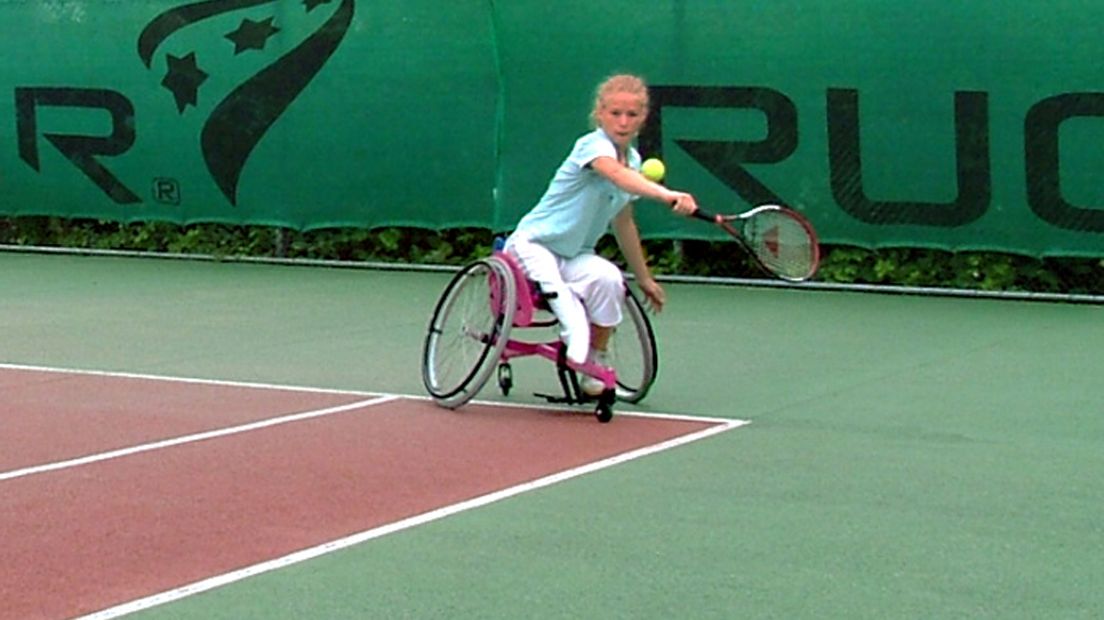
(530,301)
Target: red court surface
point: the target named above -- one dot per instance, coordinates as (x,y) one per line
(91,534)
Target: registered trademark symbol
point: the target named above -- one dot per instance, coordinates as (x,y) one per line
(166,191)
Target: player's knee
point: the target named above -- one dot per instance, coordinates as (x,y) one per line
(608,278)
(604,297)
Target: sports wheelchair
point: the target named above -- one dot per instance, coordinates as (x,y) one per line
(490,314)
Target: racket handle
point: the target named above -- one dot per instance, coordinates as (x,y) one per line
(706,216)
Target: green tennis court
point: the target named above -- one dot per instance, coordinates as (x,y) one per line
(907,456)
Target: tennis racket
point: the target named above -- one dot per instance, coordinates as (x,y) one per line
(780,240)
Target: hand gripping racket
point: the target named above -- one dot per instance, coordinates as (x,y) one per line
(780,240)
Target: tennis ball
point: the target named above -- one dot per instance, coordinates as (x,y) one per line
(653,169)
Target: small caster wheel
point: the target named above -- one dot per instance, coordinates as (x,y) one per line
(505,378)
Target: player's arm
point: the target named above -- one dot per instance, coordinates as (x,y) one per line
(633,182)
(628,239)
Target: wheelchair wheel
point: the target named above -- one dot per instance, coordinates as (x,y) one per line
(468,332)
(633,351)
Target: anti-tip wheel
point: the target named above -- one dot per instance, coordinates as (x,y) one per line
(604,410)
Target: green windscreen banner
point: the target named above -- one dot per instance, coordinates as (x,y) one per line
(962,126)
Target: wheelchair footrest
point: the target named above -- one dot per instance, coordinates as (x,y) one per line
(573,394)
(564,400)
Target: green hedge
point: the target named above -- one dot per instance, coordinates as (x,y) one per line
(985,271)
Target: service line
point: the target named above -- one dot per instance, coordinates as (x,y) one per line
(186,439)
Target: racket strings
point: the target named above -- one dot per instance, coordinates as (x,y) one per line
(782,244)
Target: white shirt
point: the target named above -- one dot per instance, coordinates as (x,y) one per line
(579,204)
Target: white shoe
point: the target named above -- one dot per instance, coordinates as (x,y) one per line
(593,386)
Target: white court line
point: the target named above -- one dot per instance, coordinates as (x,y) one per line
(297,388)
(176,441)
(147,377)
(217,581)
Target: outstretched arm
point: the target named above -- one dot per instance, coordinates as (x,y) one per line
(635,183)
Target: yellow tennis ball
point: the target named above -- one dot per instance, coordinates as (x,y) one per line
(653,169)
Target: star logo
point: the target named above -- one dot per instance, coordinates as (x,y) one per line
(236,124)
(183,80)
(252,35)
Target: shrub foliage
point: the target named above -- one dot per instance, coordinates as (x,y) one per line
(913,267)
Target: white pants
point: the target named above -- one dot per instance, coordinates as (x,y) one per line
(588,289)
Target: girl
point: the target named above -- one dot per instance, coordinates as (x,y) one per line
(594,187)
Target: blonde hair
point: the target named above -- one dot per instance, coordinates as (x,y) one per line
(621,83)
